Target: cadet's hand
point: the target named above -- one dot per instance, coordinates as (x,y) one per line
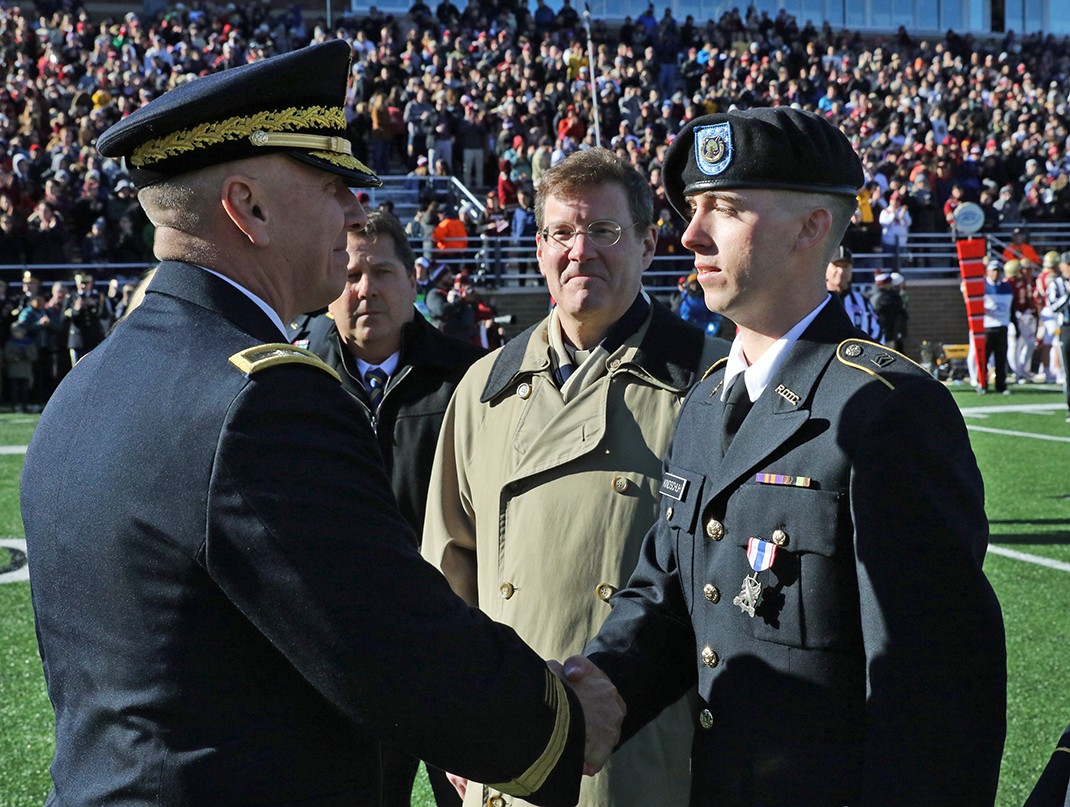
(460,784)
(603,709)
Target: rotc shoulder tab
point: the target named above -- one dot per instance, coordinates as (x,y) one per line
(874,359)
(260,357)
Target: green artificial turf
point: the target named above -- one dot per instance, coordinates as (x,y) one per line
(1027,490)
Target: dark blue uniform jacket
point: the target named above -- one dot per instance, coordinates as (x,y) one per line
(229,607)
(873,671)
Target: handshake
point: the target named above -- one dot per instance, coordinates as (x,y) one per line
(603,708)
(603,713)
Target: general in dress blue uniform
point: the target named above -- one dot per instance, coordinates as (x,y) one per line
(816,567)
(230,608)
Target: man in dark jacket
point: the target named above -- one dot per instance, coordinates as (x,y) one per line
(802,572)
(374,332)
(402,372)
(212,632)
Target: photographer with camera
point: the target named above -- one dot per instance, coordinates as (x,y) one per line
(448,306)
(489,332)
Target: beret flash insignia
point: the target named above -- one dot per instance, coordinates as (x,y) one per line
(713,148)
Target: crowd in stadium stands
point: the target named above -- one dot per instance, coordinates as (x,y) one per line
(494,94)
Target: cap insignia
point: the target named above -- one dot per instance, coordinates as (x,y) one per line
(213,133)
(713,148)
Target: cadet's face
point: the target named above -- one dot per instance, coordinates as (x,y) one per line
(741,240)
(378,298)
(591,283)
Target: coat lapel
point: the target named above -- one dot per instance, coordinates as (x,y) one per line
(784,407)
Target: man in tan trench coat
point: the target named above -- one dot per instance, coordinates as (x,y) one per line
(548,465)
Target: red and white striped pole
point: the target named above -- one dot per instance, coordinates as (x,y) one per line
(972,268)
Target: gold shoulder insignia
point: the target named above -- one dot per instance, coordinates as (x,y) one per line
(871,358)
(715,366)
(261,357)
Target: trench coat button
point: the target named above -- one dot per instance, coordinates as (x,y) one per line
(620,484)
(523,390)
(506,590)
(705,719)
(709,658)
(668,513)
(605,591)
(780,538)
(715,529)
(495,801)
(711,593)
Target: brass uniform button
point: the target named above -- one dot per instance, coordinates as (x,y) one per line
(620,484)
(495,801)
(605,591)
(711,593)
(705,719)
(709,658)
(852,351)
(668,513)
(613,364)
(506,590)
(780,538)
(715,529)
(523,390)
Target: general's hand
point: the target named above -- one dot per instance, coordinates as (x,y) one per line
(460,784)
(603,709)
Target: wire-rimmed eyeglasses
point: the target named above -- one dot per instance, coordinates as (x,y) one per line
(602,233)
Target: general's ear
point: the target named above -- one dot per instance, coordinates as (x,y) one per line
(243,200)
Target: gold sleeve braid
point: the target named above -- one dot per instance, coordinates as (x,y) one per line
(535,776)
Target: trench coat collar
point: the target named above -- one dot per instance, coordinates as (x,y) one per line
(784,408)
(192,284)
(669,353)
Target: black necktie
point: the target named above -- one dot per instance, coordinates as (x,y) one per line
(736,407)
(375,380)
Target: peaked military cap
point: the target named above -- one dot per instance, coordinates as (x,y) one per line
(771,147)
(292,103)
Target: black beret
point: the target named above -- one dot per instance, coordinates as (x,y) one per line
(293,103)
(770,147)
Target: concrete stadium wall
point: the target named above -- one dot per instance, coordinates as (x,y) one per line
(937,311)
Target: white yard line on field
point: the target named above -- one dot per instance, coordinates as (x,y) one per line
(1025,556)
(997,409)
(1010,433)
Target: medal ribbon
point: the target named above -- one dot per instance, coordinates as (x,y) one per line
(760,553)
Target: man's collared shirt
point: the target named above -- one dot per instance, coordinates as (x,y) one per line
(758,375)
(267,309)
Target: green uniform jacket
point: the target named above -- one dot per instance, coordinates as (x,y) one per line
(537,510)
